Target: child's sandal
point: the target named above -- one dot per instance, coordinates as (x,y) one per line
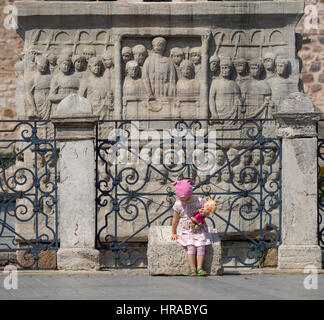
(192,272)
(201,272)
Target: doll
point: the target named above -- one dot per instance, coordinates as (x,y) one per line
(199,218)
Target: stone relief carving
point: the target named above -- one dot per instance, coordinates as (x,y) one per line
(173,76)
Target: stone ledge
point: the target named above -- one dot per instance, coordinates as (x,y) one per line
(233,8)
(166,257)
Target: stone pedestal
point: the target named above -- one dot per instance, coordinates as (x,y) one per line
(75,132)
(297,126)
(167,257)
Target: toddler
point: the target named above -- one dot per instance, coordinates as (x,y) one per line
(195,239)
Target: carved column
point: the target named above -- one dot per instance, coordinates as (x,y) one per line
(75,133)
(297,127)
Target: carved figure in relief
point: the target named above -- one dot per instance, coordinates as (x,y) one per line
(187,85)
(108,63)
(159,73)
(127,54)
(52,59)
(80,65)
(256,94)
(140,54)
(233,157)
(224,97)
(214,66)
(195,57)
(97,90)
(37,88)
(177,55)
(29,60)
(89,52)
(133,88)
(281,85)
(242,70)
(63,83)
(269,64)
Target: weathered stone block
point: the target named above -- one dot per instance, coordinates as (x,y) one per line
(78,259)
(167,257)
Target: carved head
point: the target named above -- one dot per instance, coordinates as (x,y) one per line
(19,69)
(268,156)
(256,68)
(195,55)
(140,54)
(52,59)
(269,61)
(220,157)
(232,154)
(89,52)
(282,66)
(226,67)
(227,174)
(95,65)
(241,66)
(177,55)
(159,44)
(255,156)
(214,63)
(127,54)
(64,62)
(79,62)
(187,69)
(132,69)
(246,158)
(108,60)
(41,64)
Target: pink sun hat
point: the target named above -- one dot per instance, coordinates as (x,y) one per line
(183,188)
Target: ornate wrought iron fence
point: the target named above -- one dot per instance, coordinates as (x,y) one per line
(28,194)
(236,163)
(320,201)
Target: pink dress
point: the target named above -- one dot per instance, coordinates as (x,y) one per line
(189,235)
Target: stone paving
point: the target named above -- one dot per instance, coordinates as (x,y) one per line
(123,286)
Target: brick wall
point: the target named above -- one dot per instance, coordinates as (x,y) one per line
(312,52)
(10,47)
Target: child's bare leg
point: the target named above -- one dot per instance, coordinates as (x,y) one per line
(192,256)
(200,256)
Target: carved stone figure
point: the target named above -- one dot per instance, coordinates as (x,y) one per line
(63,83)
(108,63)
(133,88)
(195,57)
(214,66)
(158,72)
(224,97)
(97,90)
(187,85)
(269,64)
(281,85)
(89,52)
(52,59)
(256,94)
(80,65)
(177,55)
(140,54)
(233,157)
(242,70)
(29,60)
(37,88)
(127,54)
